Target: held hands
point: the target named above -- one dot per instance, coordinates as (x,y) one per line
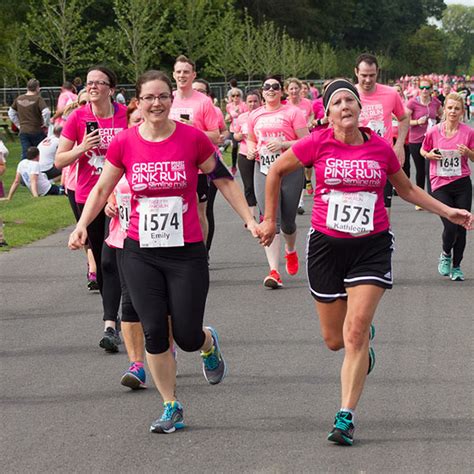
(252,227)
(91,140)
(461,217)
(266,231)
(78,238)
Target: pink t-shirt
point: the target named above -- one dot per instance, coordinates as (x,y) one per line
(69,176)
(347,169)
(306,106)
(234,112)
(418,132)
(163,169)
(377,110)
(318,108)
(436,138)
(117,231)
(220,116)
(65,98)
(200,109)
(241,126)
(90,164)
(281,123)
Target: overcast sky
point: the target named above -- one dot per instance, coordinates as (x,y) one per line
(469,3)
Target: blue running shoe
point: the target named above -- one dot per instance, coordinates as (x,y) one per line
(214,367)
(456,274)
(444,265)
(343,430)
(134,377)
(371,360)
(171,420)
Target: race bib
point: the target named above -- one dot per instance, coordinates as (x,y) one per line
(352,213)
(450,164)
(267,158)
(124,208)
(161,222)
(377,126)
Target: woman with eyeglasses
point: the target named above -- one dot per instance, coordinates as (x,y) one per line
(234,108)
(86,136)
(422,110)
(164,259)
(448,147)
(349,248)
(272,129)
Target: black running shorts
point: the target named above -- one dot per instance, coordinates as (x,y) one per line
(333,264)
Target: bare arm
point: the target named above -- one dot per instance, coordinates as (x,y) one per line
(109,178)
(68,152)
(34,184)
(287,163)
(403,126)
(14,186)
(213,135)
(415,195)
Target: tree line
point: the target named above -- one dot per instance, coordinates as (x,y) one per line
(55,40)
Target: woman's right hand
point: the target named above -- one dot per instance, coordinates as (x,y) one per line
(434,154)
(422,120)
(251,153)
(110,210)
(78,238)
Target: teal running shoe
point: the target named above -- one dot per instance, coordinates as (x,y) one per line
(444,265)
(343,430)
(371,360)
(456,274)
(171,420)
(214,367)
(134,377)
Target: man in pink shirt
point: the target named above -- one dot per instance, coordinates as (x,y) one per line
(195,109)
(379,104)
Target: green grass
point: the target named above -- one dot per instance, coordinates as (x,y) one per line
(26,218)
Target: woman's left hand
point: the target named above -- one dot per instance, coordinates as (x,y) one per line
(266,231)
(464,150)
(460,217)
(110,210)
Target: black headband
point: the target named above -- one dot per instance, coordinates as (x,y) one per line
(336,86)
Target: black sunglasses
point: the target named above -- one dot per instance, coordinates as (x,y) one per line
(275,86)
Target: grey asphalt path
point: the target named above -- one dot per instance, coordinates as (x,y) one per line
(63,409)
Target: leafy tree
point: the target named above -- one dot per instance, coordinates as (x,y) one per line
(297,59)
(325,61)
(56,28)
(268,49)
(246,47)
(134,43)
(458,23)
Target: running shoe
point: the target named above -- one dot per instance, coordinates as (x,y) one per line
(273,280)
(456,274)
(134,377)
(171,420)
(444,265)
(300,210)
(343,430)
(214,367)
(92,284)
(3,243)
(371,360)
(110,341)
(291,262)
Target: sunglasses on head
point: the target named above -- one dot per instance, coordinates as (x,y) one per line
(275,86)
(425,87)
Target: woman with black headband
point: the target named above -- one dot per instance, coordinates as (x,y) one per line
(349,249)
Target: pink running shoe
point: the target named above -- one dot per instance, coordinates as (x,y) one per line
(273,280)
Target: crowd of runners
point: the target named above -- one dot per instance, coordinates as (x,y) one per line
(142,179)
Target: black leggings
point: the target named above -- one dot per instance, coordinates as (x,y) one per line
(168,281)
(235,150)
(422,167)
(458,194)
(246,168)
(211,197)
(95,237)
(71,195)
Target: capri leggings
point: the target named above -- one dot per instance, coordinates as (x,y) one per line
(288,201)
(211,197)
(458,194)
(422,167)
(71,195)
(95,237)
(246,168)
(168,281)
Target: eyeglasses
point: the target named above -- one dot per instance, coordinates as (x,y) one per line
(235,95)
(150,99)
(97,83)
(424,87)
(275,86)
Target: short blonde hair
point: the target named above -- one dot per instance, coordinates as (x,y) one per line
(290,80)
(456,97)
